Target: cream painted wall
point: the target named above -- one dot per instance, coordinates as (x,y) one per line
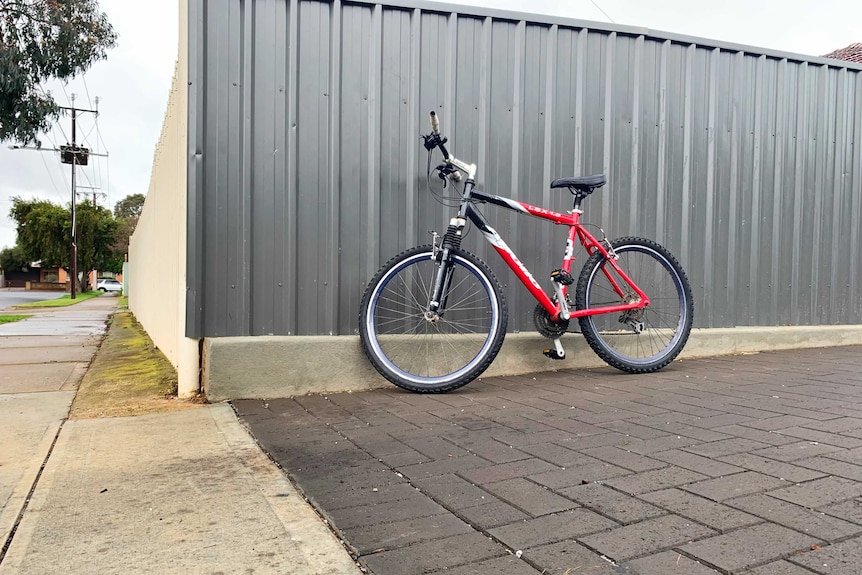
(157,250)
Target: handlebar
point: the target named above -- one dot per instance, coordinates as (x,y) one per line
(435,140)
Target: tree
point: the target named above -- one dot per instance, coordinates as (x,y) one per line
(44,233)
(39,40)
(127,211)
(130,207)
(13,258)
(96,232)
(125,229)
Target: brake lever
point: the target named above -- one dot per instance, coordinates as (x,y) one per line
(432,141)
(442,173)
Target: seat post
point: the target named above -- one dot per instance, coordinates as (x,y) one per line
(578,198)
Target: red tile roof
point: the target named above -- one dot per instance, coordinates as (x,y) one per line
(852,53)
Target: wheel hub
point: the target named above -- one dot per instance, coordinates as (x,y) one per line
(633,317)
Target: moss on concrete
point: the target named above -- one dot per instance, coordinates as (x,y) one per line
(129,376)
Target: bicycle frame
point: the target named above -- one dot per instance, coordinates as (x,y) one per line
(577,232)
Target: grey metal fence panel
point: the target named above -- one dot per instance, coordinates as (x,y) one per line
(306,172)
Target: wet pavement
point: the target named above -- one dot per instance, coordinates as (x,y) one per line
(181,492)
(17,296)
(742,464)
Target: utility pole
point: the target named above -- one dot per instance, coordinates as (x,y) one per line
(74,260)
(75,156)
(94,192)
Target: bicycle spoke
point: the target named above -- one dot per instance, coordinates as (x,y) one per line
(433,347)
(664,323)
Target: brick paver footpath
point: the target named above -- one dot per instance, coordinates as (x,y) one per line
(743,464)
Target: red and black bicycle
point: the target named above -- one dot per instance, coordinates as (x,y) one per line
(434,317)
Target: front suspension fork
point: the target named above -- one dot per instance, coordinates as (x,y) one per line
(443,277)
(442,281)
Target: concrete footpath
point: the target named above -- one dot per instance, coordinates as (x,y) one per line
(183,492)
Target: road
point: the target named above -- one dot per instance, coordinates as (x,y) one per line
(16,296)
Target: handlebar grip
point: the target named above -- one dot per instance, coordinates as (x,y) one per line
(435,124)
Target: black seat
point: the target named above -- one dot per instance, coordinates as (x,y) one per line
(585,184)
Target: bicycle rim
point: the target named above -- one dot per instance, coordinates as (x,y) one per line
(419,353)
(662,327)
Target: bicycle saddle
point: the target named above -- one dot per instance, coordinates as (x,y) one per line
(586,184)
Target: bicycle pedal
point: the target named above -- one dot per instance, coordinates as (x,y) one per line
(562,277)
(553,354)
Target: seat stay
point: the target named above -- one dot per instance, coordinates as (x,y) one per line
(592,245)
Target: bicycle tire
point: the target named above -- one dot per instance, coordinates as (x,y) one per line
(666,322)
(411,351)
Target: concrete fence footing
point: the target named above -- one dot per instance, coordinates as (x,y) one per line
(289,366)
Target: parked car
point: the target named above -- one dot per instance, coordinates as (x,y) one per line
(109,285)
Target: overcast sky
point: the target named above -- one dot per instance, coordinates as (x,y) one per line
(133,83)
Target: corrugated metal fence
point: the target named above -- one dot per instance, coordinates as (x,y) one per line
(307,173)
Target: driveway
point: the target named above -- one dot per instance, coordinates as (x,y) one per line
(744,464)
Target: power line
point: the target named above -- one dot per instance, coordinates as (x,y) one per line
(97,174)
(48,95)
(99,134)
(84,173)
(69,101)
(53,145)
(108,170)
(87,90)
(96,163)
(86,137)
(47,169)
(107,156)
(602,11)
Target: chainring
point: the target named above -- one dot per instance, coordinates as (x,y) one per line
(545,326)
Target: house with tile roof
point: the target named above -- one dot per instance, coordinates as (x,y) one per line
(852,53)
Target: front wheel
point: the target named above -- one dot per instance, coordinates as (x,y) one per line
(640,340)
(428,352)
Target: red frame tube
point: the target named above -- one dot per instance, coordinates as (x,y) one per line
(577,232)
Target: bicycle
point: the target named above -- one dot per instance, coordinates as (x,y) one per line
(434,317)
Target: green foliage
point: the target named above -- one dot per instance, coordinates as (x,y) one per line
(14,258)
(44,234)
(97,231)
(39,40)
(127,211)
(130,207)
(125,229)
(44,231)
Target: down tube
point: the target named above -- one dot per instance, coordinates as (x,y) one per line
(511,260)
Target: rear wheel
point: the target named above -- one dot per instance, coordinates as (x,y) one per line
(425,352)
(639,340)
